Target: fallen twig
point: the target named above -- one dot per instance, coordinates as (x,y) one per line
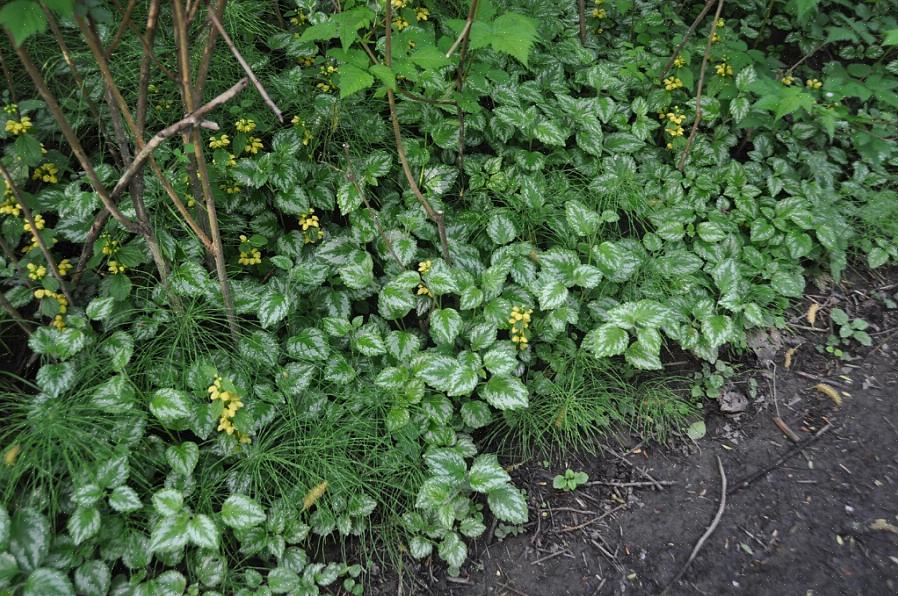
(654,483)
(798,448)
(593,520)
(635,467)
(701,541)
(550,556)
(790,434)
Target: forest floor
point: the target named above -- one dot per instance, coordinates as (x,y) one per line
(824,520)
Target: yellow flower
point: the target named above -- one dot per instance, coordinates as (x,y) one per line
(253,146)
(232,160)
(715,38)
(421,14)
(724,70)
(252,256)
(299,18)
(19,127)
(64,267)
(679,62)
(39,223)
(787,80)
(11,108)
(328,70)
(219,142)
(669,145)
(424,266)
(400,24)
(11,207)
(672,83)
(309,220)
(324,87)
(599,13)
(9,457)
(721,23)
(36,272)
(232,189)
(46,172)
(813,83)
(58,322)
(399,3)
(424,290)
(115,267)
(306,61)
(110,247)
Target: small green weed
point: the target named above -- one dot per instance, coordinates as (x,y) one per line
(570,480)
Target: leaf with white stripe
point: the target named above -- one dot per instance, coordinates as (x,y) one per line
(93,578)
(83,523)
(56,379)
(552,295)
(47,582)
(508,504)
(202,531)
(607,340)
(241,512)
(445,325)
(487,474)
(505,393)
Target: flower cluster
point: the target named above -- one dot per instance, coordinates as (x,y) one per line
(64,267)
(300,18)
(231,403)
(306,133)
(400,23)
(19,127)
(245,125)
(249,255)
(813,83)
(39,223)
(399,3)
(58,320)
(311,227)
(424,267)
(36,272)
(46,173)
(674,121)
(219,142)
(787,80)
(724,70)
(115,267)
(253,145)
(672,83)
(11,207)
(421,14)
(110,246)
(11,108)
(599,12)
(519,321)
(306,61)
(232,189)
(679,61)
(327,84)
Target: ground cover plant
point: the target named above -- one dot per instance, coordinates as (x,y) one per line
(289,274)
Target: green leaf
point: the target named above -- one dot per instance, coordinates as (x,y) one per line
(429,58)
(607,340)
(23,18)
(696,430)
(273,307)
(240,512)
(710,231)
(789,284)
(514,34)
(124,499)
(100,308)
(445,326)
(446,463)
(643,356)
(183,457)
(486,474)
(283,581)
(582,220)
(501,360)
(508,504)
(48,582)
(891,37)
(189,279)
(353,79)
(368,341)
(83,523)
(505,393)
(172,407)
(29,535)
(395,301)
(476,414)
(453,550)
(4,528)
(114,396)
(500,229)
(552,294)
(169,533)
(550,133)
(202,532)
(56,379)
(437,371)
(93,578)
(877,257)
(168,501)
(309,344)
(718,330)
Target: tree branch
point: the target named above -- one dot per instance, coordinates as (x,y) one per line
(686,37)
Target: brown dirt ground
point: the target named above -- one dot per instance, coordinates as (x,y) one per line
(823,522)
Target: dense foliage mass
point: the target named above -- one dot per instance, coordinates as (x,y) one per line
(288,331)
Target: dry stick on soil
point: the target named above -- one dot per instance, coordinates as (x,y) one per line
(17,318)
(221,270)
(653,483)
(709,531)
(459,84)
(35,233)
(433,214)
(796,449)
(350,174)
(72,139)
(698,94)
(593,520)
(245,66)
(686,38)
(581,17)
